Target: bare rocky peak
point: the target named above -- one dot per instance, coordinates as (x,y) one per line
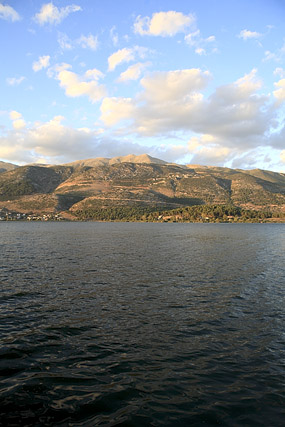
(130,158)
(142,158)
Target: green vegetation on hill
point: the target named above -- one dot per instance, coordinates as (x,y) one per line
(118,213)
(200,213)
(11,190)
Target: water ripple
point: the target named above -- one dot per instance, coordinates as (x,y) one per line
(142,324)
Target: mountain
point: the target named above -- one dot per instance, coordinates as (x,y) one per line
(4,166)
(131,158)
(138,181)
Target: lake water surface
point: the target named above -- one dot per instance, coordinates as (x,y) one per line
(142,324)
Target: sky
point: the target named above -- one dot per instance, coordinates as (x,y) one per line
(191,82)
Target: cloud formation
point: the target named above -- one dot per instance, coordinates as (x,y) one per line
(17,120)
(126,55)
(167,98)
(279,72)
(205,150)
(54,142)
(114,36)
(133,72)
(14,115)
(122,55)
(247,34)
(88,42)
(200,44)
(8,13)
(43,62)
(173,86)
(183,108)
(276,56)
(64,41)
(172,101)
(279,93)
(50,141)
(115,110)
(163,24)
(85,42)
(76,85)
(234,119)
(50,14)
(14,81)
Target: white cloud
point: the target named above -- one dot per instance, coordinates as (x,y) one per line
(127,55)
(133,72)
(8,13)
(164,105)
(210,39)
(43,62)
(163,24)
(75,85)
(115,110)
(191,38)
(14,115)
(18,121)
(54,142)
(280,92)
(19,124)
(48,137)
(114,36)
(173,86)
(200,44)
(200,51)
(51,141)
(236,112)
(50,14)
(94,74)
(64,41)
(279,72)
(247,34)
(14,81)
(233,120)
(248,83)
(270,56)
(53,71)
(122,55)
(88,42)
(211,154)
(276,56)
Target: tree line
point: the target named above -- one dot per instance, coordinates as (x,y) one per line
(198,213)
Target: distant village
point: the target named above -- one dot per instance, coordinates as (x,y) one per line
(6,215)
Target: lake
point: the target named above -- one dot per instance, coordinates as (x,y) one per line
(140,324)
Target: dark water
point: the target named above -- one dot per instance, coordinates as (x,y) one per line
(142,324)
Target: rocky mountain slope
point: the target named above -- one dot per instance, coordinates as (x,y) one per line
(136,181)
(7,166)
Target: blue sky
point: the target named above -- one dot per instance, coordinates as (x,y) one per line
(199,81)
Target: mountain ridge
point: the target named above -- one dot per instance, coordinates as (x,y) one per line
(143,181)
(130,158)
(5,166)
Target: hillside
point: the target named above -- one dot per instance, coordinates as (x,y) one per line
(4,166)
(136,181)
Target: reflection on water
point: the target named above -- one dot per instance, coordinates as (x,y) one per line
(142,324)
